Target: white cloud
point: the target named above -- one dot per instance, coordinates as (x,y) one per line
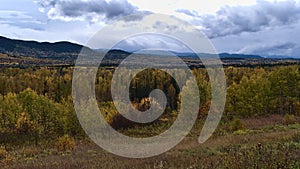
(234,25)
(282,48)
(152,42)
(20,19)
(230,20)
(83,10)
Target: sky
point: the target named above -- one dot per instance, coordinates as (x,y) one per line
(262,27)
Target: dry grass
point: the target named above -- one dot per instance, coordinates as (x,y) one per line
(280,144)
(259,122)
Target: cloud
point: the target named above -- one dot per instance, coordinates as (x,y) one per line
(92,10)
(20,19)
(282,48)
(192,13)
(232,20)
(150,41)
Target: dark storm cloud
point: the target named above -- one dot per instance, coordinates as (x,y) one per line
(231,20)
(79,8)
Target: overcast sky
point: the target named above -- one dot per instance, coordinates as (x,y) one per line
(264,27)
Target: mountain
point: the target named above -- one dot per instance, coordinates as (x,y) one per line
(115,54)
(70,51)
(239,56)
(57,50)
(221,55)
(194,55)
(280,57)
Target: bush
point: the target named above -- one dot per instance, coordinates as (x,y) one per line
(29,152)
(236,125)
(117,121)
(3,153)
(24,125)
(297,108)
(240,132)
(289,119)
(65,143)
(113,118)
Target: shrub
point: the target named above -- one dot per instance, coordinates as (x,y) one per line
(24,125)
(29,152)
(113,118)
(204,109)
(236,125)
(240,132)
(289,119)
(297,108)
(65,143)
(3,153)
(117,121)
(296,138)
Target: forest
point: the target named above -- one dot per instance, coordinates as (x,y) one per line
(36,109)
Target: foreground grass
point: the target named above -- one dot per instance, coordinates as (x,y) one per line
(280,149)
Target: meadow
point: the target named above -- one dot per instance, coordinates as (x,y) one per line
(260,127)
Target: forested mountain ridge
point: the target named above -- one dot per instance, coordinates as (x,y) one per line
(68,51)
(221,55)
(58,50)
(20,53)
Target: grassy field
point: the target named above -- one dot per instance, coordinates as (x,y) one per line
(280,148)
(260,127)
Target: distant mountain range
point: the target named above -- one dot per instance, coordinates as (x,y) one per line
(58,50)
(221,55)
(69,51)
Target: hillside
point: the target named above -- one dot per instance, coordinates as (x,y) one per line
(221,55)
(57,50)
(20,53)
(69,51)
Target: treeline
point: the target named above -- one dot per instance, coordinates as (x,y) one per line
(29,113)
(262,91)
(38,100)
(56,83)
